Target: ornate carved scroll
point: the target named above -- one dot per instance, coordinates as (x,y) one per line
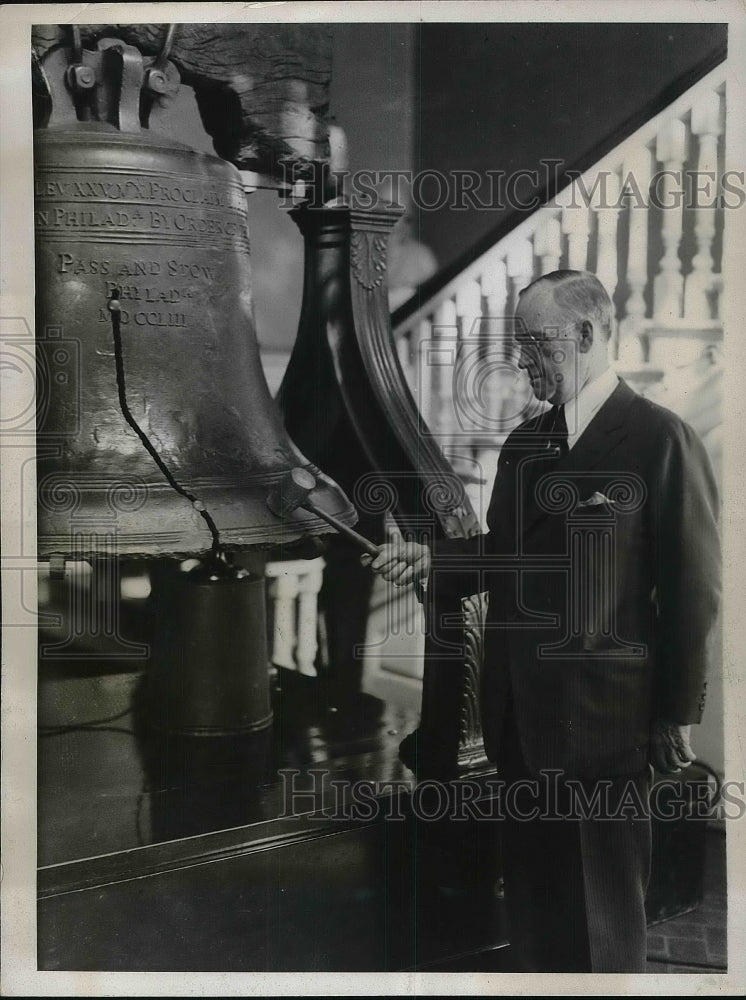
(471,753)
(344,395)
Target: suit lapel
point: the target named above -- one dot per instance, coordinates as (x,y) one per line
(605,431)
(607,428)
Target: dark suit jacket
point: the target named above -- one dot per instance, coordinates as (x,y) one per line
(604,584)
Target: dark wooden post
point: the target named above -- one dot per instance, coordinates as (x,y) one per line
(347,405)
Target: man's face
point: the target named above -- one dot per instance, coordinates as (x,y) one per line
(549,342)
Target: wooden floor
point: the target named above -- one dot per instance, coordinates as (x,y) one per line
(108,783)
(132,827)
(188,854)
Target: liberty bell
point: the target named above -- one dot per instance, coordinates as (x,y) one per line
(156,428)
(157,437)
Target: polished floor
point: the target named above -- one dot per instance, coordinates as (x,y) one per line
(108,782)
(120,803)
(109,787)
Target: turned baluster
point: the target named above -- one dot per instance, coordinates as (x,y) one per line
(495,290)
(468,310)
(575,225)
(548,244)
(497,343)
(520,266)
(283,591)
(520,263)
(309,585)
(496,348)
(637,175)
(607,207)
(699,284)
(667,189)
(441,362)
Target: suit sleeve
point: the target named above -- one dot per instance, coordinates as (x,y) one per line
(458,559)
(456,567)
(688,565)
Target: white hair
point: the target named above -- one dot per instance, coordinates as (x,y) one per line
(580,293)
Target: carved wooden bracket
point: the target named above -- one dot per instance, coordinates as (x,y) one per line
(344,396)
(348,407)
(471,755)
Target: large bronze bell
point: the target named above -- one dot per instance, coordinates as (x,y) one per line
(123,212)
(157,436)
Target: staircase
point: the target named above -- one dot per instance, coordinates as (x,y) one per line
(648,220)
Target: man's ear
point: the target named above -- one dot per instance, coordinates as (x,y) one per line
(585,341)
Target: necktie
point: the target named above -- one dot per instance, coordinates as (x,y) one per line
(552,448)
(557,429)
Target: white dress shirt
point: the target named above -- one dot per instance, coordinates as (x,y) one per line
(582,409)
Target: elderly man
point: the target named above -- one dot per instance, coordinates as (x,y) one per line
(602,561)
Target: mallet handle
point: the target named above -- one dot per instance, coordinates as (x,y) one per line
(342,528)
(364,543)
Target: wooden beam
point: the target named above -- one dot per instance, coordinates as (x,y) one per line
(262,89)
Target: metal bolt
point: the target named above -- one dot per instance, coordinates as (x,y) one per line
(155,81)
(80,77)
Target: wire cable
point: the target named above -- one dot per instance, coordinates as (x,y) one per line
(115,310)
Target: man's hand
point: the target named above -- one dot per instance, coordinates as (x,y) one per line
(670,749)
(400,562)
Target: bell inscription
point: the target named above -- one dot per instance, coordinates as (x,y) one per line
(166,205)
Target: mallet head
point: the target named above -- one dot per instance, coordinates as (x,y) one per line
(290,492)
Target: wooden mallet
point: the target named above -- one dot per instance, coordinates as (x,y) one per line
(293,491)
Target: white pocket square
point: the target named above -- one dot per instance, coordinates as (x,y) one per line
(595,500)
